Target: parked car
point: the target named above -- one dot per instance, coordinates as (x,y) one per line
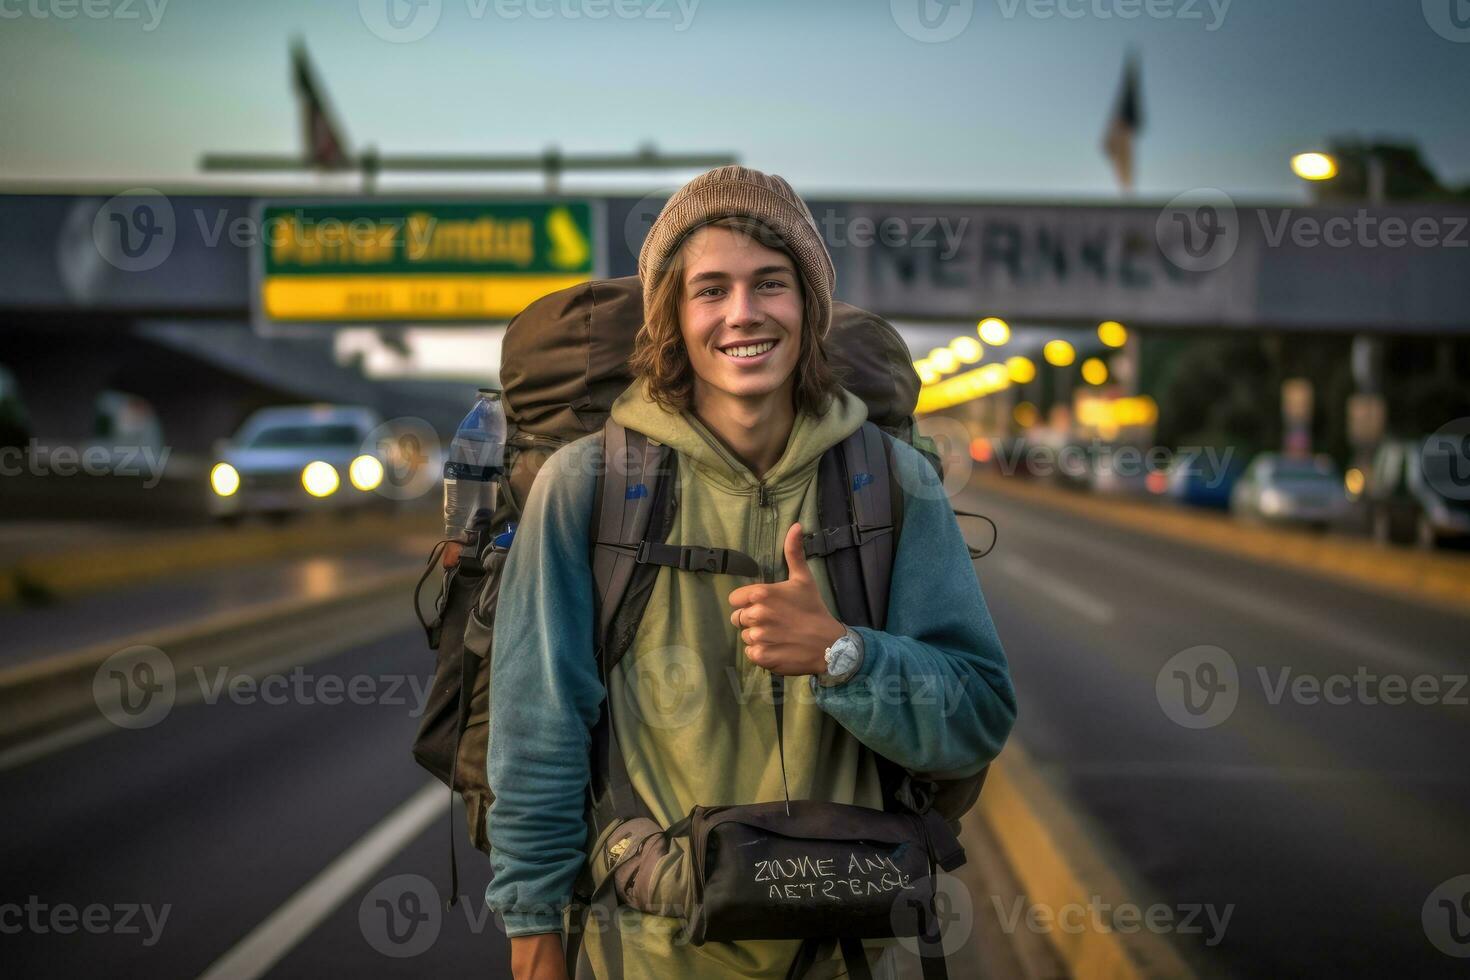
(1199,480)
(1405,495)
(296,458)
(1306,490)
(1119,473)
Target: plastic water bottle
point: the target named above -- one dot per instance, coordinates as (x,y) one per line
(476,455)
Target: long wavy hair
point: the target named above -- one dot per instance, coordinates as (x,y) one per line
(660,357)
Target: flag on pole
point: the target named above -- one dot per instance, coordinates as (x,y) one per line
(325,146)
(1125,124)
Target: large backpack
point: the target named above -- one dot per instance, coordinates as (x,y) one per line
(564,363)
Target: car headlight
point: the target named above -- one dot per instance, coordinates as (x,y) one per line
(224,479)
(1272,501)
(366,472)
(320,479)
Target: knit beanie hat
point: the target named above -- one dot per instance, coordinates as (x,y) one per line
(740,191)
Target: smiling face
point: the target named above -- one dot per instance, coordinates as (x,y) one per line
(740,314)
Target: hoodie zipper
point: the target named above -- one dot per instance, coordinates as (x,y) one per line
(765,498)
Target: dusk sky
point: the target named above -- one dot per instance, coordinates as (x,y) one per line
(836,96)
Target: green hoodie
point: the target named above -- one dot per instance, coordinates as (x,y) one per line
(693,716)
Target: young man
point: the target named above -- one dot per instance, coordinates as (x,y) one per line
(732,374)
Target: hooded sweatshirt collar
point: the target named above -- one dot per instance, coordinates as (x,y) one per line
(811,435)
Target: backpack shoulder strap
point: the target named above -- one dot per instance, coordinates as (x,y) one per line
(860,509)
(630,489)
(633,513)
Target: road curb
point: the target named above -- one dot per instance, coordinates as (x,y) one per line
(1436,581)
(1059,863)
(69,572)
(40,697)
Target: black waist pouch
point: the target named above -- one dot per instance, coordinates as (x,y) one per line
(809,869)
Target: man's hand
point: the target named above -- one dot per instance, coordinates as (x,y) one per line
(785,625)
(451,554)
(538,957)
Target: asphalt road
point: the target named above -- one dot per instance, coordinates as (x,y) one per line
(299,832)
(1322,829)
(221,814)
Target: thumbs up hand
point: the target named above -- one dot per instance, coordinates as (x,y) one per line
(785,626)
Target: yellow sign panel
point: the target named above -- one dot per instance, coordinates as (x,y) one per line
(335,298)
(381,261)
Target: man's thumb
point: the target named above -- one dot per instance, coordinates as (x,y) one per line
(796,555)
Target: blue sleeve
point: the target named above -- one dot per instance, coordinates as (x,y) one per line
(933,692)
(545,695)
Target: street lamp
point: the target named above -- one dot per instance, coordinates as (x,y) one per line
(994,331)
(1318,167)
(1314,166)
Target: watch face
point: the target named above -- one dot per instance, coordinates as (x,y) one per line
(842,657)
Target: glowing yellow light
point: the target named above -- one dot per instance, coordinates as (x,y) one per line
(1021,369)
(1025,415)
(1058,353)
(1094,371)
(967,349)
(927,374)
(942,359)
(1314,166)
(994,331)
(366,472)
(1112,333)
(1352,481)
(224,479)
(320,479)
(963,387)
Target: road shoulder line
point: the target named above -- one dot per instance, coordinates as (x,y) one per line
(264,946)
(1058,866)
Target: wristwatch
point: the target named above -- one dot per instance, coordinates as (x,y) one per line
(843,657)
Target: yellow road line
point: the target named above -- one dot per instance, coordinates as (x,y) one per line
(79,570)
(1060,866)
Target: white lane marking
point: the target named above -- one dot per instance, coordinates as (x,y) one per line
(1061,590)
(65,738)
(254,955)
(1249,602)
